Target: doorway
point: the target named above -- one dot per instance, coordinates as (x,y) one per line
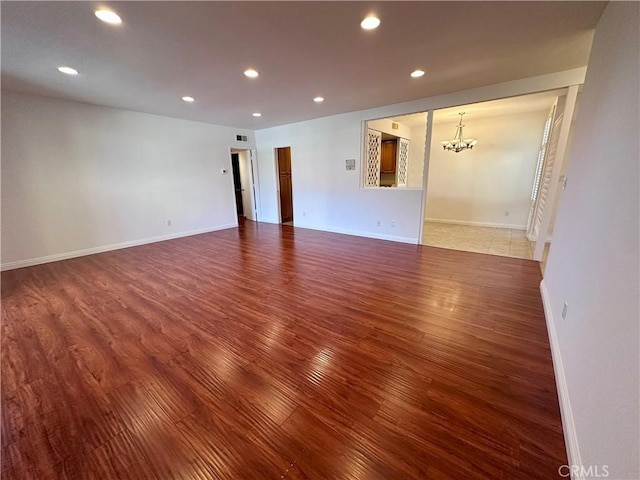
(243,183)
(237,184)
(480,199)
(283,156)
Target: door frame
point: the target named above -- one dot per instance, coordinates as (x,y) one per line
(254,176)
(238,200)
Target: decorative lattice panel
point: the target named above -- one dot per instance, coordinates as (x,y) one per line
(372,160)
(403,159)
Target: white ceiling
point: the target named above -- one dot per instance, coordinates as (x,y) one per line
(506,106)
(164,50)
(534,102)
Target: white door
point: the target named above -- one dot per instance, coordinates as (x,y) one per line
(246,179)
(253,163)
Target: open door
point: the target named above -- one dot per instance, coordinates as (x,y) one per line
(244,183)
(237,184)
(252,191)
(286,187)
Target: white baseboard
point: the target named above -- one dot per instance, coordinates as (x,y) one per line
(29,262)
(378,236)
(568,425)
(275,221)
(477,224)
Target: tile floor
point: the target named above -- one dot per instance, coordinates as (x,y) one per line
(495,241)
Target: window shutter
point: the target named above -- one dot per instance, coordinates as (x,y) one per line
(403,157)
(372,158)
(547,170)
(541,157)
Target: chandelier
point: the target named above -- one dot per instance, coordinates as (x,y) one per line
(459,143)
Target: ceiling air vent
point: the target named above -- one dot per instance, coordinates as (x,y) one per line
(241,138)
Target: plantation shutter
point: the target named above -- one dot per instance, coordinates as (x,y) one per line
(545,175)
(403,157)
(372,158)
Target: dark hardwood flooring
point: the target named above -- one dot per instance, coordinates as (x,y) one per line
(268,352)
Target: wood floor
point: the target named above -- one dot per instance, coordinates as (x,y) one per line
(269,352)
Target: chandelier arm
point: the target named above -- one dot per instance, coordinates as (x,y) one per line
(458,143)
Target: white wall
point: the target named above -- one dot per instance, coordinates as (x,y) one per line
(385,125)
(594,259)
(328,197)
(415,163)
(79,178)
(478,186)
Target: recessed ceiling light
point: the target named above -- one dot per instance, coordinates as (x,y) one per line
(188,99)
(318,99)
(417,73)
(370,22)
(251,73)
(68,70)
(256,114)
(107,16)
